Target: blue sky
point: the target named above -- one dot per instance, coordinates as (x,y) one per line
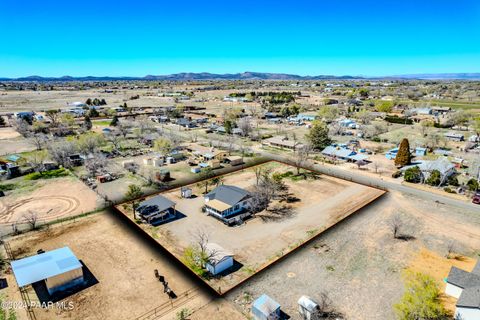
(307,37)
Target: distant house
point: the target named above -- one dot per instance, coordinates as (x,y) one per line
(265,308)
(25,115)
(422,111)
(342,153)
(441,110)
(420,151)
(465,286)
(183,122)
(282,142)
(227,203)
(220,259)
(452,136)
(348,123)
(75,160)
(59,269)
(233,160)
(156,210)
(391,154)
(307,116)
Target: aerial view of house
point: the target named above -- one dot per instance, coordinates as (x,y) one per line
(307,160)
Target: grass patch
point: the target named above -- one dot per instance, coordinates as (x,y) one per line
(48,174)
(7,186)
(102,122)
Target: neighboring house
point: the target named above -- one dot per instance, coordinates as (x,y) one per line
(75,160)
(348,123)
(59,269)
(342,153)
(233,160)
(156,210)
(442,165)
(265,308)
(307,116)
(420,151)
(282,142)
(465,286)
(441,110)
(452,136)
(220,259)
(227,203)
(422,111)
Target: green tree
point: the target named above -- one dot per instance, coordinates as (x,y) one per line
(133,192)
(93,113)
(6,313)
(87,123)
(413,175)
(434,179)
(421,299)
(88,102)
(318,135)
(403,155)
(162,145)
(114,121)
(228,126)
(328,113)
(384,106)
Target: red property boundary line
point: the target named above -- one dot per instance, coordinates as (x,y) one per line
(348,213)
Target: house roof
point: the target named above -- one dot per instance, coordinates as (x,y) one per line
(43,266)
(266,305)
(283,142)
(230,195)
(218,205)
(217,253)
(470,298)
(462,278)
(441,164)
(340,152)
(158,203)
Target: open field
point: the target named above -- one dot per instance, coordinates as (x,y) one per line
(49,200)
(359,264)
(12,142)
(323,201)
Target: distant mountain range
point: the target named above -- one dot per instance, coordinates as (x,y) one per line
(187,76)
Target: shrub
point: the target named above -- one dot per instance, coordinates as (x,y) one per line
(48,174)
(421,299)
(397,174)
(413,175)
(7,186)
(449,190)
(473,184)
(434,179)
(396,119)
(453,181)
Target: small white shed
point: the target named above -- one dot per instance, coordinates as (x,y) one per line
(220,259)
(307,307)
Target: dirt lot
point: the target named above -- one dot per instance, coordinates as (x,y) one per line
(359,265)
(120,260)
(323,202)
(49,199)
(12,142)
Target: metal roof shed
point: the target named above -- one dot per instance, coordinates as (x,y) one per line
(265,308)
(59,268)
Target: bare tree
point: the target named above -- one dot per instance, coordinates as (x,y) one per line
(38,140)
(395,223)
(96,164)
(22,127)
(116,141)
(124,128)
(245,125)
(301,156)
(31,218)
(61,150)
